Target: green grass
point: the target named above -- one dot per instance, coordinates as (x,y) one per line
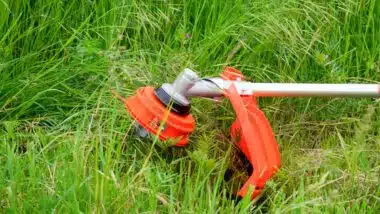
(67,145)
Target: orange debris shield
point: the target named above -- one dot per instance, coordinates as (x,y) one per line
(254,137)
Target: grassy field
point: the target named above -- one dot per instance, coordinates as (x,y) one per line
(67,145)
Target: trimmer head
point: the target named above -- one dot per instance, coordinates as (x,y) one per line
(154,116)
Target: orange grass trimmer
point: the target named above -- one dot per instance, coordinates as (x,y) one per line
(165,112)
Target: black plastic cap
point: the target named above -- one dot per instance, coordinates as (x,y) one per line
(167,100)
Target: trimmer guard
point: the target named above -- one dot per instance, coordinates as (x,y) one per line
(253,135)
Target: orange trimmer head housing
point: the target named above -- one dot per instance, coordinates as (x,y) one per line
(165,112)
(152,115)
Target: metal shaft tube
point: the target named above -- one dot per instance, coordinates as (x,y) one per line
(214,87)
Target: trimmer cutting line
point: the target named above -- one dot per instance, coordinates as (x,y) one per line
(165,111)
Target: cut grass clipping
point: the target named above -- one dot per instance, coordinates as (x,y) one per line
(67,145)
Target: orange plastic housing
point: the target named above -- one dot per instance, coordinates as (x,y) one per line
(253,135)
(230,73)
(150,113)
